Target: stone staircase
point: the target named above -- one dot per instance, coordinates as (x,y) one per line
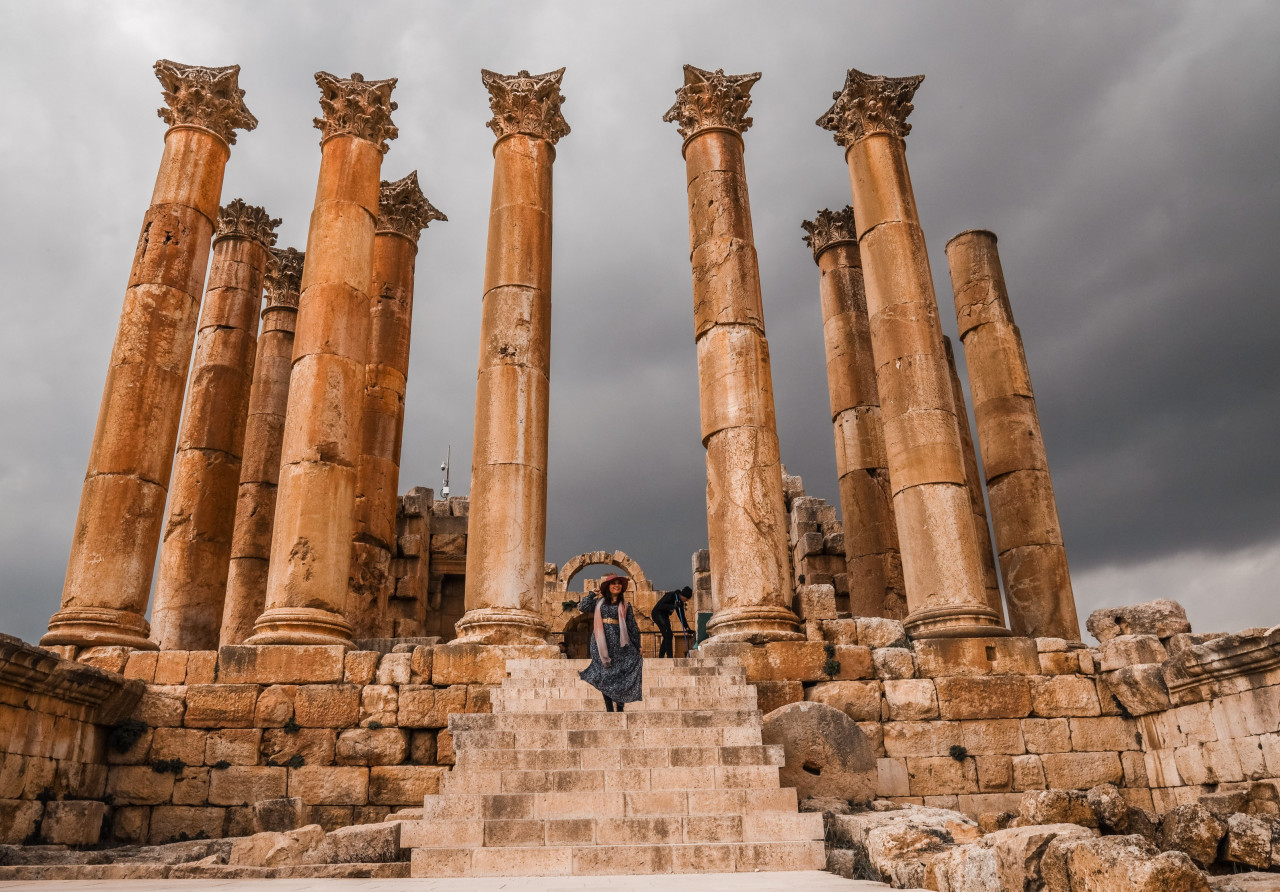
(550,784)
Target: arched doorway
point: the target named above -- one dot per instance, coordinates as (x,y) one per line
(622,561)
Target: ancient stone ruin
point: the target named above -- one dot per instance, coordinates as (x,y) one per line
(339,680)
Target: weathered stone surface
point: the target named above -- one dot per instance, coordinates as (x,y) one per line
(859,700)
(983,697)
(1081,771)
(404,784)
(911,699)
(941,775)
(365,746)
(172,823)
(1162,618)
(826,753)
(771,695)
(325,785)
(1249,840)
(1192,829)
(876,632)
(1110,806)
(1057,807)
(900,844)
(360,844)
(239,746)
(1129,650)
(1117,864)
(270,849)
(893,662)
(460,662)
(244,785)
(281,664)
(1006,860)
(221,705)
(73,823)
(278,815)
(1139,689)
(326,705)
(314,746)
(18,819)
(1053,696)
(421,706)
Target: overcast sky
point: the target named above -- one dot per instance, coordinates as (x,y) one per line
(1125,153)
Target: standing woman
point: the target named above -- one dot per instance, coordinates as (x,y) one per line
(616,665)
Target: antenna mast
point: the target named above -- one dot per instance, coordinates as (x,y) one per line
(444,490)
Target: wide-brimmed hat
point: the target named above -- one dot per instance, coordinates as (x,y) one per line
(625,580)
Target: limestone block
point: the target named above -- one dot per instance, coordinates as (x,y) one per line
(921,738)
(171,823)
(937,657)
(421,706)
(480,697)
(1028,773)
(19,819)
(893,662)
(877,632)
(109,658)
(993,737)
(278,815)
(420,664)
(327,785)
(1249,840)
(378,703)
(463,663)
(1139,689)
(1059,663)
(1111,808)
(142,665)
(275,706)
(270,849)
(365,746)
(237,746)
(422,747)
(891,778)
(911,699)
(859,700)
(73,823)
(404,784)
(1080,771)
(1057,807)
(129,824)
(839,631)
(331,817)
(367,844)
(202,666)
(815,602)
(359,666)
(1162,618)
(1129,650)
(1053,696)
(444,747)
(394,668)
(327,705)
(995,773)
(1192,829)
(1117,864)
(1135,769)
(983,697)
(171,667)
(186,744)
(161,707)
(191,787)
(315,746)
(940,775)
(221,705)
(245,785)
(281,663)
(138,785)
(771,695)
(1108,732)
(826,754)
(1002,861)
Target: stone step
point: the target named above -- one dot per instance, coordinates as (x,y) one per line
(618,859)
(614,757)
(584,691)
(605,721)
(726,735)
(651,679)
(647,830)
(595,703)
(565,668)
(528,806)
(624,780)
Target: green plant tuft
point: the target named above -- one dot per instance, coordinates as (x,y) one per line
(168,766)
(222,765)
(296,761)
(374,725)
(831,668)
(125,733)
(291,726)
(958,752)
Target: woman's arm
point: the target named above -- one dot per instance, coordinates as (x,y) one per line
(588,602)
(633,628)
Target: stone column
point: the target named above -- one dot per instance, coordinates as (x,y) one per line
(941,565)
(264,433)
(403,212)
(196,553)
(311,542)
(507,527)
(746,515)
(872,561)
(1023,510)
(973,482)
(113,550)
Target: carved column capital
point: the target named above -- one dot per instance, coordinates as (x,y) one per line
(210,98)
(869,104)
(828,228)
(240,220)
(353,106)
(526,103)
(284,277)
(712,100)
(402,208)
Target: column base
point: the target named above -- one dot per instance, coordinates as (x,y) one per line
(756,625)
(301,625)
(970,621)
(502,625)
(97,627)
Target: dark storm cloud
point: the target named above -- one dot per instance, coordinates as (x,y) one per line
(1125,154)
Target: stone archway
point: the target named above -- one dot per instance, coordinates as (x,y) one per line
(618,559)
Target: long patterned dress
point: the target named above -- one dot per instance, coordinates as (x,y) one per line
(622,680)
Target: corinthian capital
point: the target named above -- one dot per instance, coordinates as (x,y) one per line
(526,103)
(869,104)
(353,106)
(828,228)
(284,277)
(204,97)
(404,209)
(712,100)
(241,220)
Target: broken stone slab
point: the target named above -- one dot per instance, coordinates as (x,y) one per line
(826,753)
(1128,650)
(1056,807)
(1139,690)
(73,822)
(278,815)
(271,849)
(1193,830)
(1002,861)
(1162,618)
(1117,864)
(1110,807)
(1249,840)
(898,844)
(359,844)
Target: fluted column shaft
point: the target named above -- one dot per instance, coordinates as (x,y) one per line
(941,565)
(872,559)
(1024,512)
(196,554)
(260,469)
(746,512)
(311,541)
(118,526)
(973,482)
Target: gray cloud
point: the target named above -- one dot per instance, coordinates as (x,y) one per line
(1126,155)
